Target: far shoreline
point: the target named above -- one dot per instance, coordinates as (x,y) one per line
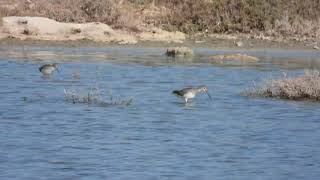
(45,32)
(210,43)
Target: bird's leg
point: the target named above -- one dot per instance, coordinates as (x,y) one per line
(46,76)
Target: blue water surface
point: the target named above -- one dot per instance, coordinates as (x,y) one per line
(43,136)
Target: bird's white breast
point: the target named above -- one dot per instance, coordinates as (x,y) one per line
(189,95)
(48,70)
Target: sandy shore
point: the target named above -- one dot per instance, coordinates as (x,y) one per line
(37,31)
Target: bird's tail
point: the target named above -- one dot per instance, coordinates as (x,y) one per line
(176,92)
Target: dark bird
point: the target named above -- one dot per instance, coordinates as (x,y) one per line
(191,92)
(48,69)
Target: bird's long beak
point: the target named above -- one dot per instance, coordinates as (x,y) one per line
(209,95)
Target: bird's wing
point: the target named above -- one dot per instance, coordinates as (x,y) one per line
(185,90)
(181,92)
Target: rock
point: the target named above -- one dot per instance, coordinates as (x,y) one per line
(40,28)
(179,52)
(156,34)
(262,37)
(234,57)
(239,43)
(223,36)
(316,47)
(198,41)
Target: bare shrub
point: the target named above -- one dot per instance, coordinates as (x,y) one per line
(3,12)
(247,16)
(302,87)
(105,11)
(94,97)
(128,19)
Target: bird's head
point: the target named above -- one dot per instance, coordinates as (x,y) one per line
(56,66)
(205,90)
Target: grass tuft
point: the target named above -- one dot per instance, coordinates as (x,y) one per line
(304,87)
(94,97)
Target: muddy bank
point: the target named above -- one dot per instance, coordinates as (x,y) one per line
(249,44)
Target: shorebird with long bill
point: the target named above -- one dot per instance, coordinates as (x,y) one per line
(48,69)
(191,92)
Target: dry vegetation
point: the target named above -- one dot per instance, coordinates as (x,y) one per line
(272,17)
(305,87)
(298,18)
(78,11)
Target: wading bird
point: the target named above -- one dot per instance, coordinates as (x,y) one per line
(48,69)
(191,92)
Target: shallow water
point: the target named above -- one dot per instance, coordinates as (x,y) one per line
(157,136)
